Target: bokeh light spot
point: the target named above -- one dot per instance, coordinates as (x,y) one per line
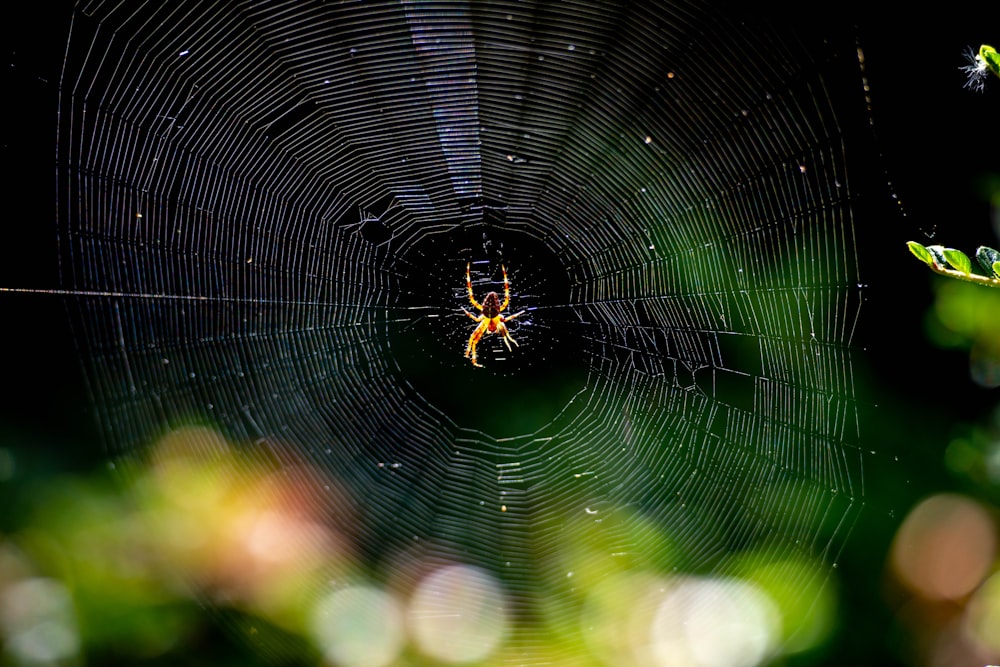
(715,623)
(37,623)
(457,614)
(982,616)
(359,626)
(944,547)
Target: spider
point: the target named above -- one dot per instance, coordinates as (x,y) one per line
(490,320)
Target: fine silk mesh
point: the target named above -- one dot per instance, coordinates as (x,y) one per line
(266,214)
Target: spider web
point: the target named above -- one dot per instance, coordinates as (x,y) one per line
(267,210)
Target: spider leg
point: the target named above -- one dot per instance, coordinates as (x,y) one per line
(468,285)
(470,349)
(506,289)
(507,338)
(507,318)
(475,317)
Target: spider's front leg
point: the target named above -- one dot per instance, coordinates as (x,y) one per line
(468,285)
(506,289)
(470,349)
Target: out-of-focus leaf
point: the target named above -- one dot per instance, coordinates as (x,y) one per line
(970,313)
(988,259)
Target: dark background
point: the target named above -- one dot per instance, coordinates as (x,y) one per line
(938,146)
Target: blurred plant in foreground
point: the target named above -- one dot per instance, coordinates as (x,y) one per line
(127,572)
(973,456)
(97,576)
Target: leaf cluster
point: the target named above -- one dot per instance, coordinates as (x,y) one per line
(956,264)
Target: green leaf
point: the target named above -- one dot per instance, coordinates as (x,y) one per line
(991,58)
(920,252)
(987,258)
(996,270)
(958,259)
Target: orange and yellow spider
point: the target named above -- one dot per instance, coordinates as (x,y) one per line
(489,318)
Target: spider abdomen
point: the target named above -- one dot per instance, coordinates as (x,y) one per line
(491,305)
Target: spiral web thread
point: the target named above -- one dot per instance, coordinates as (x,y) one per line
(254,201)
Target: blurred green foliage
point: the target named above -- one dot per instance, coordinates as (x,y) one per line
(967,316)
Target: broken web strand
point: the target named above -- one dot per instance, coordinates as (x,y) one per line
(253,202)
